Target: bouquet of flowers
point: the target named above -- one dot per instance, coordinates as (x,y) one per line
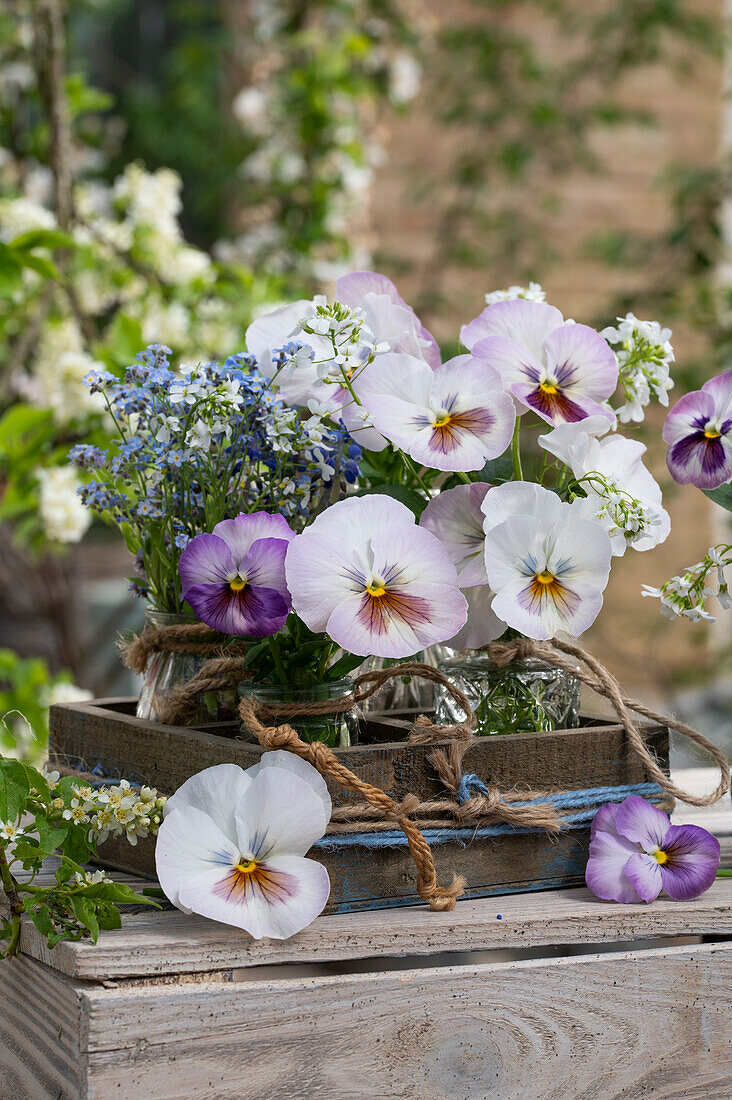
(492,494)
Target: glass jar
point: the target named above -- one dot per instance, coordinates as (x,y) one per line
(524,696)
(405,692)
(167,669)
(337,730)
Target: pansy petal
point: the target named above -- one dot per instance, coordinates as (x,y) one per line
(605,871)
(353,288)
(645,874)
(573,610)
(279,813)
(582,362)
(251,612)
(264,566)
(214,791)
(286,894)
(520,498)
(281,758)
(720,387)
(455,517)
(483,625)
(206,559)
(245,529)
(693,860)
(513,362)
(190,846)
(528,323)
(642,822)
(331,559)
(401,623)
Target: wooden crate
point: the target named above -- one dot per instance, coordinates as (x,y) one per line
(497,1000)
(107,735)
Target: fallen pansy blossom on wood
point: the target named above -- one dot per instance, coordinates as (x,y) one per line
(635,853)
(233,843)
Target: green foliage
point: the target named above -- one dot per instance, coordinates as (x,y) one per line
(721,496)
(26,688)
(74,903)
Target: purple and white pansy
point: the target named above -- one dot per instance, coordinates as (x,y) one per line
(561,370)
(547,564)
(232,845)
(635,853)
(378,584)
(454,417)
(698,431)
(234,578)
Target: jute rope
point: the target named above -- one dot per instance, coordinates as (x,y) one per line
(226,667)
(578,662)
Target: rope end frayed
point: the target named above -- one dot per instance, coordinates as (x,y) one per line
(441,899)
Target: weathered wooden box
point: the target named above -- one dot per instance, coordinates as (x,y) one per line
(105,735)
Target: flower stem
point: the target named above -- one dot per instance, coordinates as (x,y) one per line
(518,473)
(16,906)
(274,650)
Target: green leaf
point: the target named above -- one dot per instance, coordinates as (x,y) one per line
(14,788)
(41,917)
(84,913)
(721,496)
(42,265)
(497,470)
(11,272)
(42,238)
(19,420)
(115,892)
(124,339)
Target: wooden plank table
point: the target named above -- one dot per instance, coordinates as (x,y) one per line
(526,997)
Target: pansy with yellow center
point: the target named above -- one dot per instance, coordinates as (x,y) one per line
(234,578)
(635,853)
(455,417)
(560,370)
(546,563)
(232,845)
(375,582)
(698,431)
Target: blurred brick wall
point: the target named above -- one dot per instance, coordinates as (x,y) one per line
(649,653)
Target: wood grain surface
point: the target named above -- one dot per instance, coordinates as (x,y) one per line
(653,1024)
(157,943)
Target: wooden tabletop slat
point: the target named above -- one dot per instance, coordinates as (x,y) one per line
(157,943)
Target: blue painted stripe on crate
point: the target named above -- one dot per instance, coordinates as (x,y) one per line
(396,839)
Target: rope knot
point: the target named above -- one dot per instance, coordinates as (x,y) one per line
(504,653)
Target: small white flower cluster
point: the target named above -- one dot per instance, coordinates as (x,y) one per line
(685,596)
(532,293)
(621,513)
(10,831)
(63,516)
(644,353)
(114,811)
(91,878)
(353,342)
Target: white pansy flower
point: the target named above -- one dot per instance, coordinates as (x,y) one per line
(621,493)
(232,845)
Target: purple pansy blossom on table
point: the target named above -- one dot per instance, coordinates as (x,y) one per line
(635,853)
